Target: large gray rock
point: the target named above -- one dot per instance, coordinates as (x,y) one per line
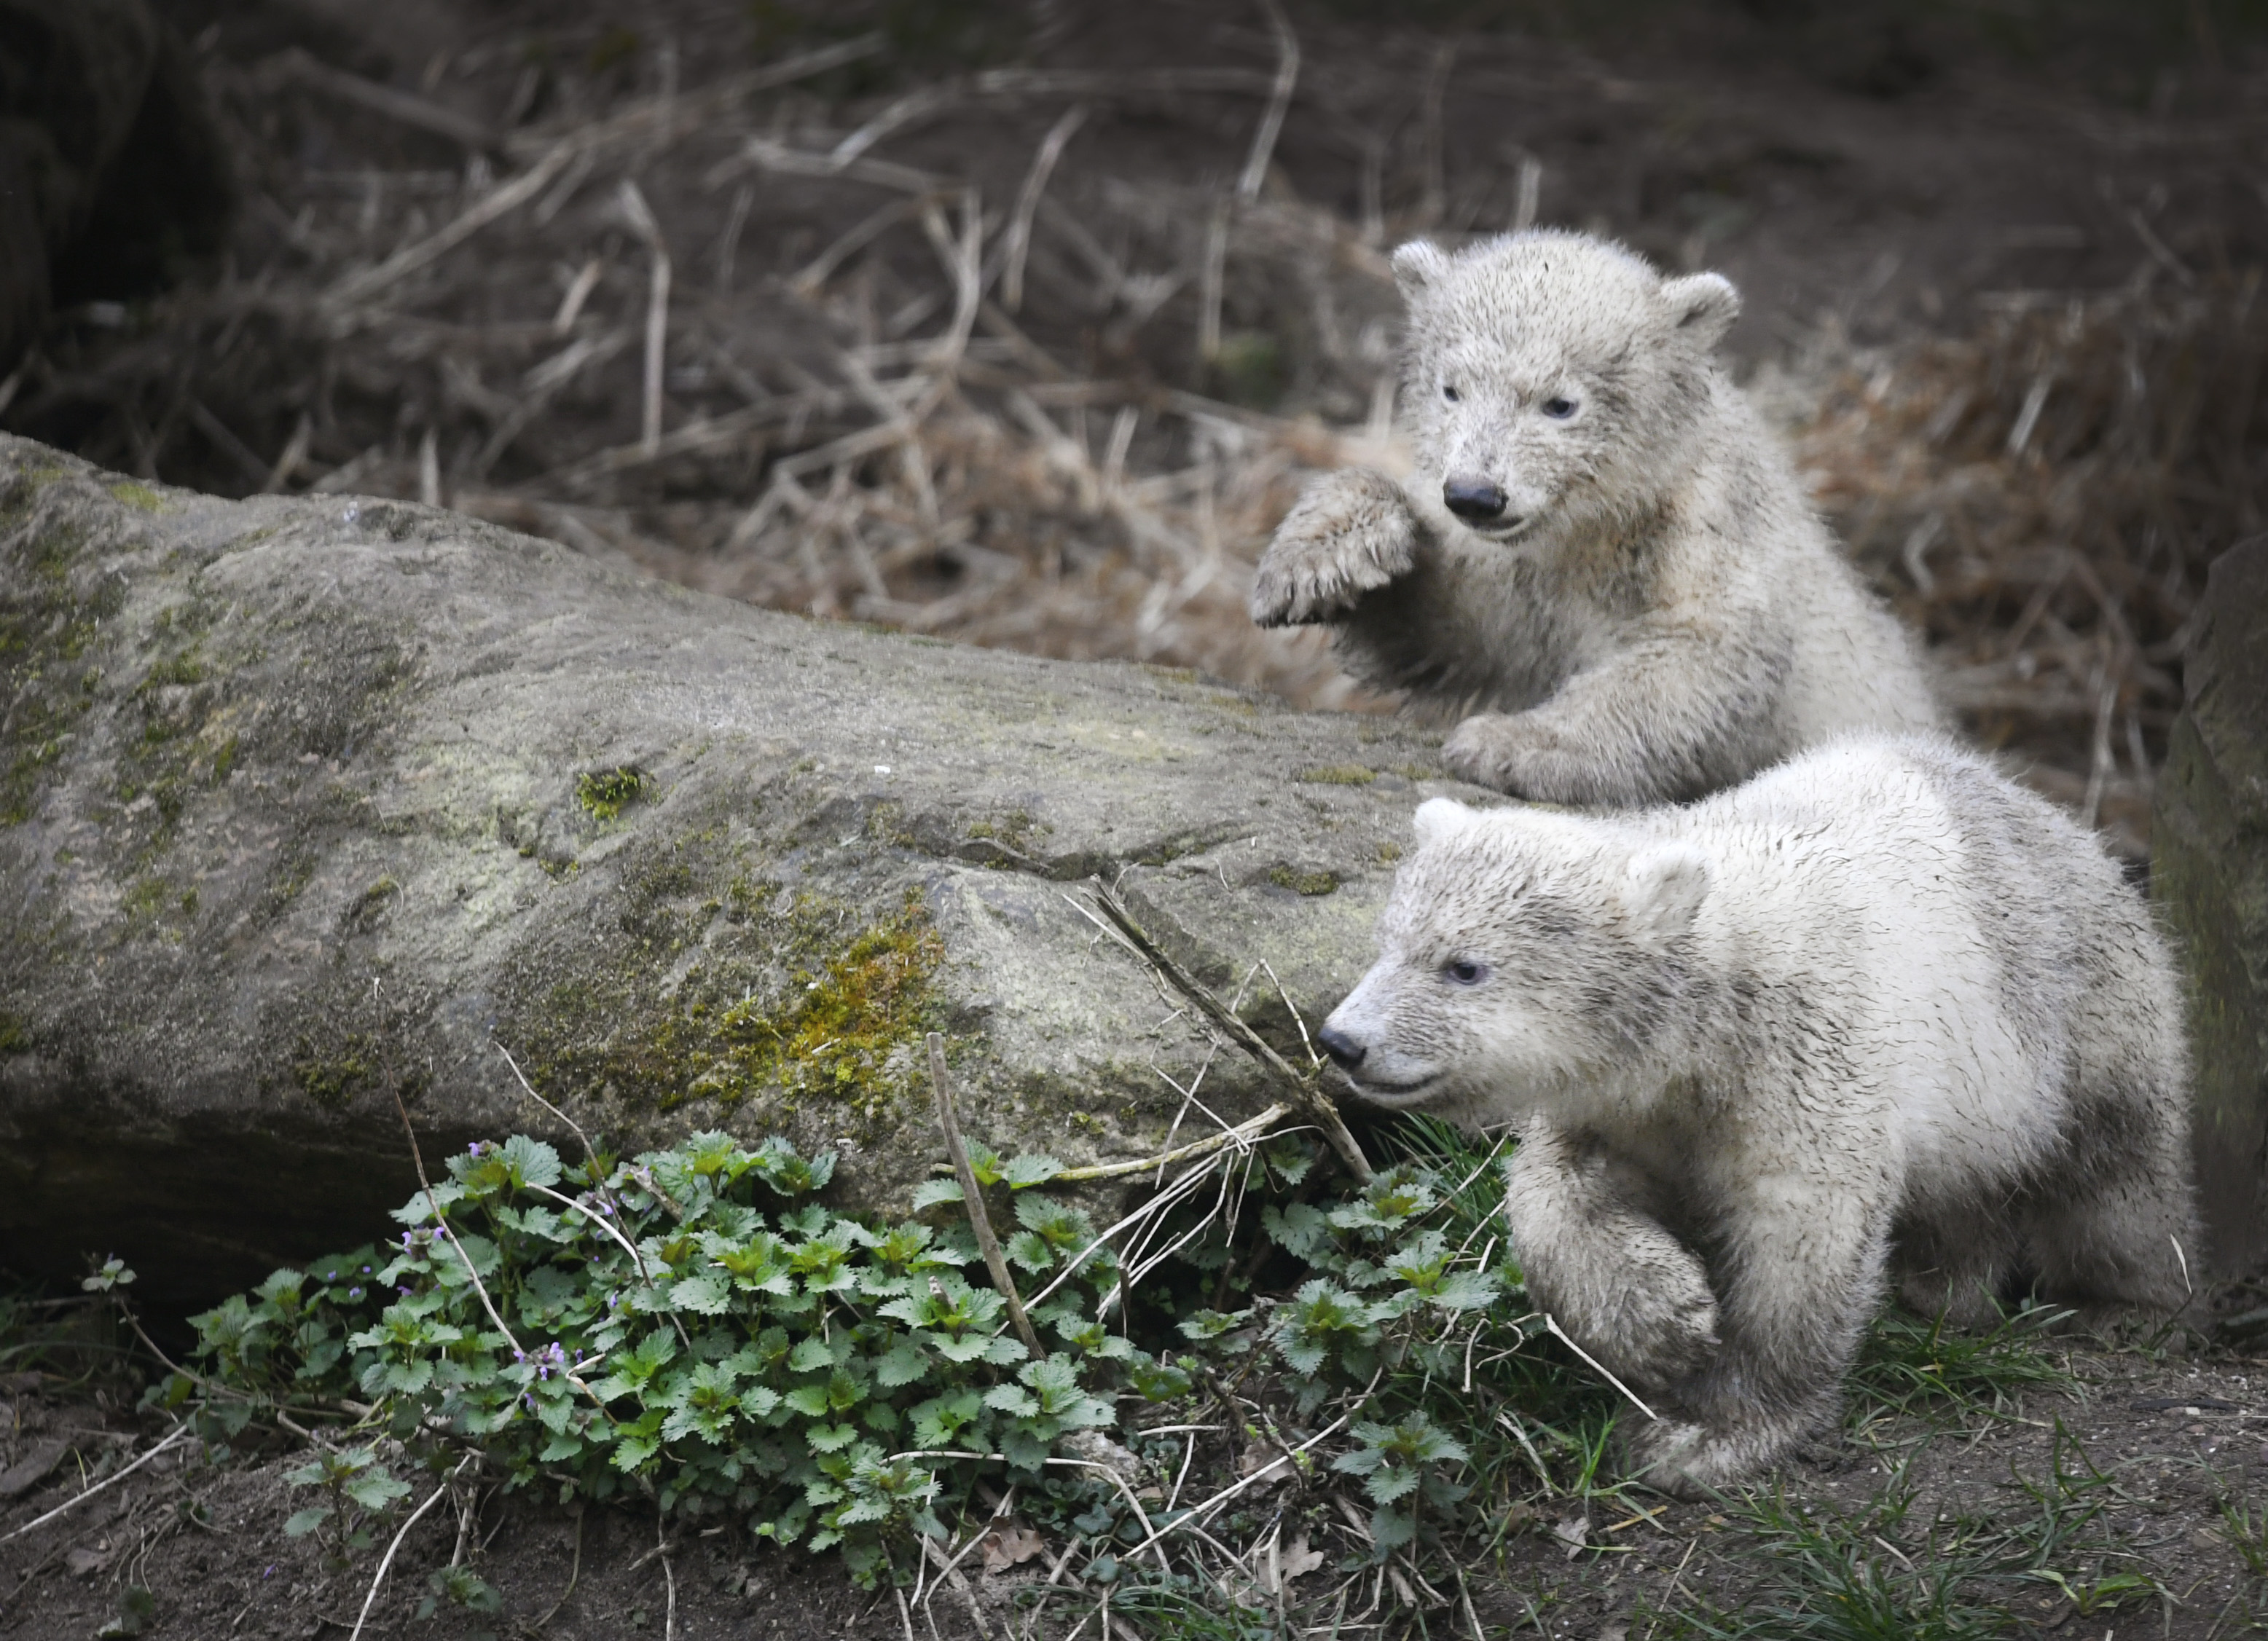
(306,803)
(2209,871)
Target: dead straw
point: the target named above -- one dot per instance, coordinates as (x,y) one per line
(972,1195)
(1304,1095)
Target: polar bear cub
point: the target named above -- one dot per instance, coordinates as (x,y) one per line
(1600,544)
(1878,1008)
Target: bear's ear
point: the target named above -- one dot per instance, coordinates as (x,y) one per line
(1702,306)
(1418,265)
(1665,887)
(1441,819)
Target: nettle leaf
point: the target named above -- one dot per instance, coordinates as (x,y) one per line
(375,1490)
(299,1523)
(830,1437)
(778,1166)
(1025,1448)
(1300,1230)
(1389,1202)
(1468,1290)
(902,1364)
(710,1295)
(930,1193)
(811,1355)
(970,1348)
(1203,1325)
(1011,1399)
(1028,1171)
(712,1154)
(939,1422)
(808,1400)
(1159,1381)
(630,1452)
(419,1209)
(532,1161)
(1028,1251)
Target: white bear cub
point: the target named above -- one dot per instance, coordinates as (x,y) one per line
(1878,1007)
(1601,545)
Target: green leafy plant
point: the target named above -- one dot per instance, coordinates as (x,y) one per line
(1404,1466)
(357,1490)
(690,1325)
(460,1587)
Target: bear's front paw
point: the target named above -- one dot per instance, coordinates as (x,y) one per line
(1668,1333)
(1506,751)
(1351,531)
(1691,1461)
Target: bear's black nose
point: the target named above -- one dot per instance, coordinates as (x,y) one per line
(1341,1048)
(1476,500)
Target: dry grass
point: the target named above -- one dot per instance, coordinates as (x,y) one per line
(713,329)
(2045,498)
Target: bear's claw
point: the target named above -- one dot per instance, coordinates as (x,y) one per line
(1350,532)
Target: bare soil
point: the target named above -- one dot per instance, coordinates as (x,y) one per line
(2150,1448)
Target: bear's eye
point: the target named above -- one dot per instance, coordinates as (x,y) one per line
(1449,393)
(1465,972)
(1558,409)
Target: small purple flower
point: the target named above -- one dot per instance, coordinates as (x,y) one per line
(355,1293)
(269,1573)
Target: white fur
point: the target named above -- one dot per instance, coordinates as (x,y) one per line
(1659,615)
(1878,1007)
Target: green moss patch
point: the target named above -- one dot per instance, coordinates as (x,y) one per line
(140,497)
(1309,881)
(1338,775)
(46,629)
(791,1002)
(606,793)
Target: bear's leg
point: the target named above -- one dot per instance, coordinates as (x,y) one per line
(2113,1222)
(1676,712)
(2115,1226)
(1621,1285)
(1950,1261)
(1804,1257)
(1350,532)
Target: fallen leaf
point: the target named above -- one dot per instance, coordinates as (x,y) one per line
(22,1477)
(1010,1546)
(1287,1561)
(1574,1533)
(81,1563)
(1258,1454)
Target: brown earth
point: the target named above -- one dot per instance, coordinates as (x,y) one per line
(2152,1448)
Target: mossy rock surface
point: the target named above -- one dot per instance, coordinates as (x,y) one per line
(309,804)
(2209,875)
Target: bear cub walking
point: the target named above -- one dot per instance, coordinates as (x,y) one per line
(1600,545)
(1877,1012)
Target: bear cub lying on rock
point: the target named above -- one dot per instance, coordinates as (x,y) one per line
(1877,1008)
(1600,544)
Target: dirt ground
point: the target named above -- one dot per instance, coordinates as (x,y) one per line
(1935,222)
(2152,1452)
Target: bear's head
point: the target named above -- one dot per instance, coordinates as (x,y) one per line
(1524,956)
(1551,375)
